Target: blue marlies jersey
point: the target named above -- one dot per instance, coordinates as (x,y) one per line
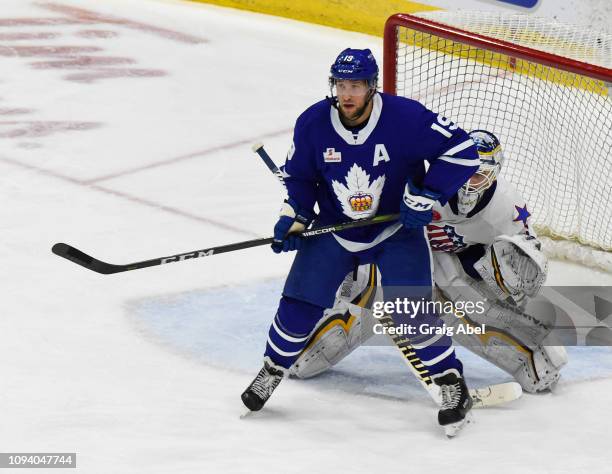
(360,174)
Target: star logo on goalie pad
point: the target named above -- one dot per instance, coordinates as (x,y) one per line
(359,198)
(523,214)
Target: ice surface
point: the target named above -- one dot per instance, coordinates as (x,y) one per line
(147,154)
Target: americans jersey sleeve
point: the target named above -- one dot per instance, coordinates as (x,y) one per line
(451,154)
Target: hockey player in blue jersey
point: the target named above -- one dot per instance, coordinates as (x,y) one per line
(359,154)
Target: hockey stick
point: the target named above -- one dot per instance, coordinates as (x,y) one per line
(259,149)
(81,258)
(482,397)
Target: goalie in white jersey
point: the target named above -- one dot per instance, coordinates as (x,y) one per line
(484,252)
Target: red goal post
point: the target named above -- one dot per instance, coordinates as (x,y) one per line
(542,87)
(424,25)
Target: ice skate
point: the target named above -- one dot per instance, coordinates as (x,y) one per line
(261,388)
(454,413)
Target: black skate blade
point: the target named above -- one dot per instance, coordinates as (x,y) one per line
(453,429)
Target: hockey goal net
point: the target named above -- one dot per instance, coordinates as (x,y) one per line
(543,89)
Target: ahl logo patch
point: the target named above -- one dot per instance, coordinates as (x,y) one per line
(332,156)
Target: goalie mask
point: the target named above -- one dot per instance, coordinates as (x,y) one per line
(491,160)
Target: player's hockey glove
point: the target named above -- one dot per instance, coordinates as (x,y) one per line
(416,207)
(291,220)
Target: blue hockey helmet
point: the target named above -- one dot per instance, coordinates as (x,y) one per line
(355,64)
(491,160)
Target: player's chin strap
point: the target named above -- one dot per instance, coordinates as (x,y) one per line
(333,101)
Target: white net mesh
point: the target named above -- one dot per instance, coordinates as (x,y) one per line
(555,126)
(581,44)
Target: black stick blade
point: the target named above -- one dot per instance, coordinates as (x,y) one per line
(81,258)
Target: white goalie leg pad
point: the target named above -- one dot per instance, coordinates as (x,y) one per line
(336,338)
(514,341)
(513,266)
(321,354)
(548,361)
(342,328)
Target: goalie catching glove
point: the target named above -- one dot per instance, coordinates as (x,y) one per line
(513,267)
(292,220)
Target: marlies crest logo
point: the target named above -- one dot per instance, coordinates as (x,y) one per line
(332,156)
(359,198)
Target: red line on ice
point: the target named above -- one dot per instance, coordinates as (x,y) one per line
(78,62)
(175,211)
(95,74)
(15,111)
(32,51)
(189,156)
(27,36)
(35,129)
(97,34)
(128,197)
(40,21)
(90,16)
